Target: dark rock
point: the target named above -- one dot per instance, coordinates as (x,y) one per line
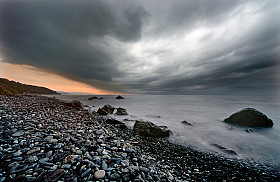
(53,175)
(250,117)
(225,149)
(61,156)
(119,97)
(91,98)
(121,111)
(102,112)
(106,109)
(187,123)
(114,176)
(249,130)
(76,104)
(149,129)
(113,121)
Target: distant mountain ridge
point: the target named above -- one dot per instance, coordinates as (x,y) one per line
(8,87)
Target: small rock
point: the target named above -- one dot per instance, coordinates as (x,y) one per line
(79,152)
(103,165)
(54,175)
(114,176)
(17,134)
(33,151)
(99,174)
(99,132)
(32,159)
(144,169)
(119,97)
(86,173)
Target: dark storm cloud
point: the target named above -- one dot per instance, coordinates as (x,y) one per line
(54,35)
(159,47)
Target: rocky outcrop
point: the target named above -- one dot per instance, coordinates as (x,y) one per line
(119,97)
(106,109)
(149,129)
(250,117)
(93,97)
(121,111)
(76,104)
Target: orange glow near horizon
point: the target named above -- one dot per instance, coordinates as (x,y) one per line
(33,76)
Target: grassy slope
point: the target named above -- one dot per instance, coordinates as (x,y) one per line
(13,88)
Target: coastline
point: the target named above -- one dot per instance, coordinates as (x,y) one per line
(43,138)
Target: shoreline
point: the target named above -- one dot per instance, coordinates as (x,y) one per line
(43,138)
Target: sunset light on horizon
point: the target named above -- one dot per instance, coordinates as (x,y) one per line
(34,76)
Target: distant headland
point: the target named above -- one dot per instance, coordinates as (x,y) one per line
(8,87)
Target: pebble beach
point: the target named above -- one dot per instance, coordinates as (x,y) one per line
(46,139)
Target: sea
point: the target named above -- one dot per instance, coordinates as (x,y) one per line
(206,132)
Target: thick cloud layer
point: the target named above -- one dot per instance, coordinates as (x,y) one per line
(160,47)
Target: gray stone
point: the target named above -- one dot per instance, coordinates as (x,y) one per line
(18,153)
(79,152)
(32,159)
(86,173)
(103,165)
(43,160)
(125,163)
(18,133)
(99,132)
(66,166)
(124,155)
(144,169)
(114,176)
(53,141)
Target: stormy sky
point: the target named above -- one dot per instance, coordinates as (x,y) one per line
(148,47)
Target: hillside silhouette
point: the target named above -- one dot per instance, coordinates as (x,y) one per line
(8,87)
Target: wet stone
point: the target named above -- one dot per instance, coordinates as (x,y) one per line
(43,160)
(66,166)
(18,133)
(53,141)
(84,174)
(103,165)
(33,151)
(53,175)
(32,159)
(125,163)
(99,132)
(114,176)
(18,153)
(79,152)
(49,154)
(144,169)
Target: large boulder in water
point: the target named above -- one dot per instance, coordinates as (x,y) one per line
(250,117)
(119,97)
(149,129)
(121,111)
(106,109)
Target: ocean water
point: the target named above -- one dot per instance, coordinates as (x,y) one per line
(206,114)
